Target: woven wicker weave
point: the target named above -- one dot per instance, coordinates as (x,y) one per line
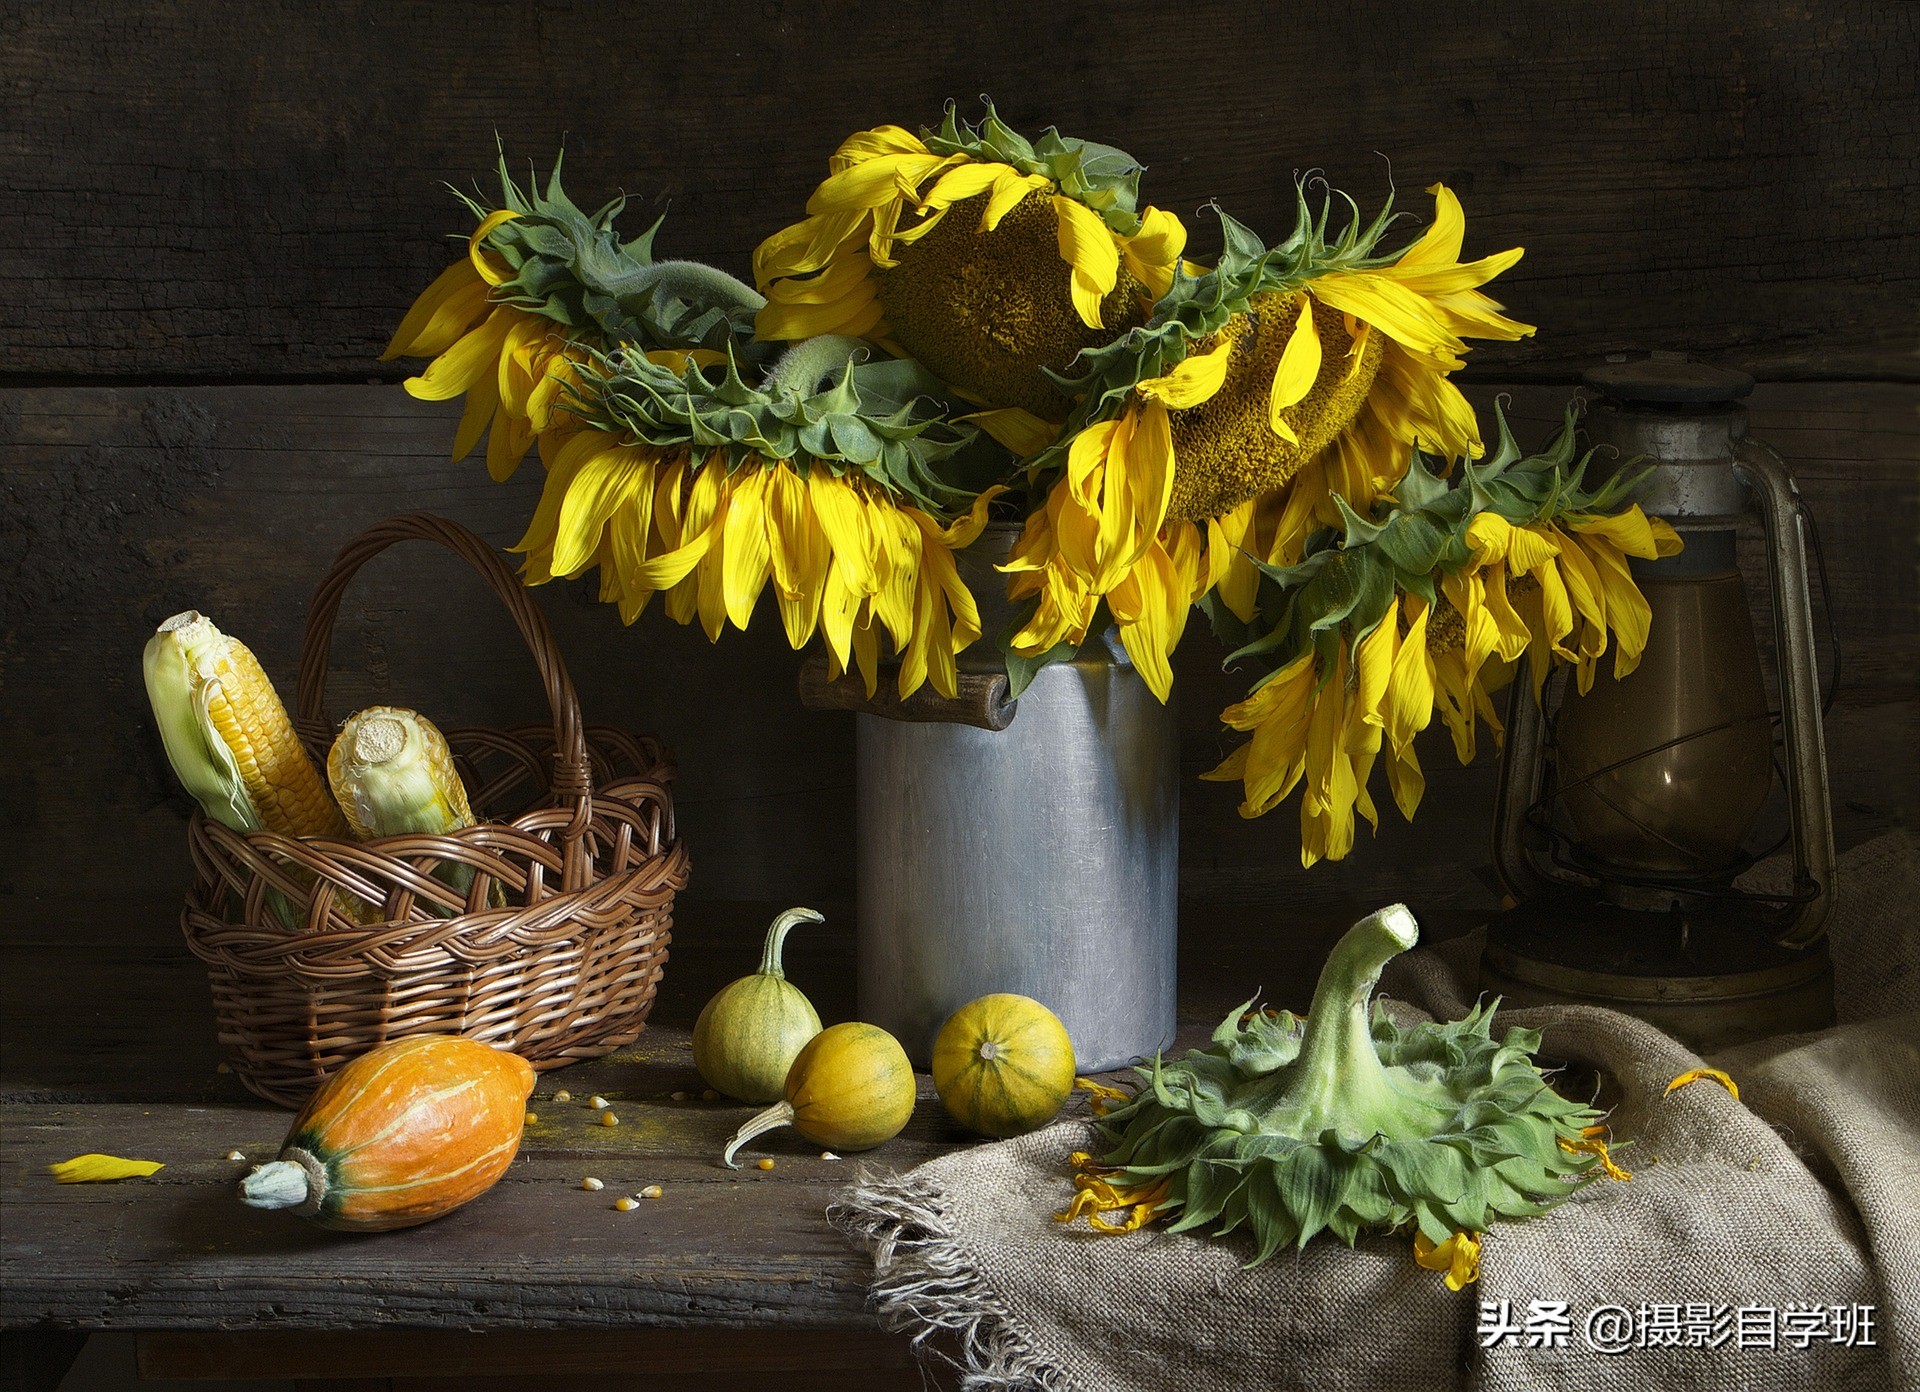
(319,950)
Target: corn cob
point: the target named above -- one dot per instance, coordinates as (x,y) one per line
(393,774)
(227,735)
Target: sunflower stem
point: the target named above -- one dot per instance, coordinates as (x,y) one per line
(777,939)
(699,283)
(802,367)
(1338,1068)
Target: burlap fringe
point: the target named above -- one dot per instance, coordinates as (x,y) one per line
(925,1285)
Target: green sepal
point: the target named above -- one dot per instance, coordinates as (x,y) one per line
(1103,178)
(886,417)
(571,267)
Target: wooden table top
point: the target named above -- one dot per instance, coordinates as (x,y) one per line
(115,1053)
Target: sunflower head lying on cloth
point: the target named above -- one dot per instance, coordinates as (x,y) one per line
(1426,603)
(1256,392)
(992,259)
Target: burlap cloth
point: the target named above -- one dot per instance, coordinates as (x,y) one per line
(1805,1192)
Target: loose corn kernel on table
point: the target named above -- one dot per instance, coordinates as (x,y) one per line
(543,1282)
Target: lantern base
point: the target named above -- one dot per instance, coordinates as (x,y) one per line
(1708,975)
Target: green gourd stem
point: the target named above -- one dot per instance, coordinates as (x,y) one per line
(777,939)
(802,366)
(1338,1068)
(778,1115)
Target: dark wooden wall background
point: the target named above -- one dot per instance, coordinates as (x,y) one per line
(213,215)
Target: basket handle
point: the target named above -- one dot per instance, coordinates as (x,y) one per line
(572,774)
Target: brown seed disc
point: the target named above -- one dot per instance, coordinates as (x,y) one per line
(1224,450)
(987,311)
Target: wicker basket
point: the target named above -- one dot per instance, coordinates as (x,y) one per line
(319,950)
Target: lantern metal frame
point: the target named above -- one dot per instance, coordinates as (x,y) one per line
(1754,960)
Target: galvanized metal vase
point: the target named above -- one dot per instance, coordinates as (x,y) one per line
(1041,859)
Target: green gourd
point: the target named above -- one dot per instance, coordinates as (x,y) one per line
(748,1034)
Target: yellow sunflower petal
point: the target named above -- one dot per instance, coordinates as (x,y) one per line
(456,370)
(1152,252)
(489,272)
(1397,311)
(96,1169)
(1019,430)
(1694,1075)
(445,310)
(1086,244)
(1299,368)
(1195,379)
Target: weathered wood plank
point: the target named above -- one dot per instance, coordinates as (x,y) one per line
(179,1251)
(664,1354)
(192,196)
(128,504)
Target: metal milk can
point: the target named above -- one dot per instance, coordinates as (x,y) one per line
(1040,859)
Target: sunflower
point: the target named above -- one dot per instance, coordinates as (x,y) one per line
(1426,607)
(991,259)
(544,286)
(1258,393)
(682,480)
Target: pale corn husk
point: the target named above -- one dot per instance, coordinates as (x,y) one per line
(227,735)
(230,741)
(393,775)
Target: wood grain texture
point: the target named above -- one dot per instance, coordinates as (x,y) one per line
(125,505)
(820,1358)
(257,191)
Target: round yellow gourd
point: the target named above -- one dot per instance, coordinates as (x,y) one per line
(1003,1065)
(850,1088)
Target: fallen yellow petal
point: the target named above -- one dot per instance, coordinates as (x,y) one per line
(1694,1075)
(1591,1144)
(95,1169)
(1458,1257)
(1103,1097)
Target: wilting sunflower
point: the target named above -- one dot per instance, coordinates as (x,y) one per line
(1220,432)
(1427,604)
(683,480)
(991,259)
(544,286)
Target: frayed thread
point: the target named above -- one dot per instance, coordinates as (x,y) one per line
(925,1284)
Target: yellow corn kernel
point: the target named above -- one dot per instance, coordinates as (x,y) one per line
(625,1204)
(609,1119)
(765,1162)
(652,1191)
(591,1185)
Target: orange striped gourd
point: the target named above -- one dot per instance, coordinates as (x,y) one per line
(401,1135)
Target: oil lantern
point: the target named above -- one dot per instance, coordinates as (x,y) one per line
(1625,815)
